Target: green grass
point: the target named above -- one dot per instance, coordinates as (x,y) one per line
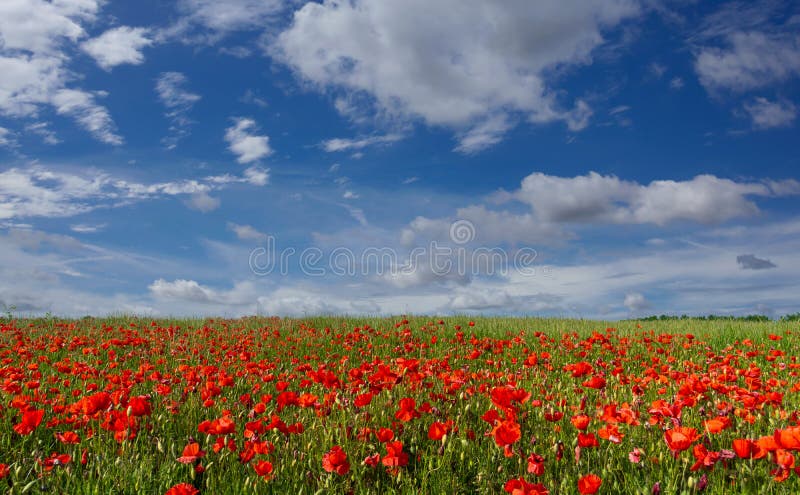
(258,353)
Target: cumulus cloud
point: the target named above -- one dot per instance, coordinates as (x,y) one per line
(749,60)
(345,144)
(246,232)
(117,46)
(464,65)
(190,290)
(751,262)
(605,198)
(170,87)
(203,202)
(500,301)
(635,302)
(182,289)
(767,114)
(559,203)
(244,143)
(297,306)
(257,176)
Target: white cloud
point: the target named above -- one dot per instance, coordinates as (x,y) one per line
(344,144)
(484,135)
(81,106)
(43,130)
(117,46)
(178,101)
(242,293)
(201,201)
(635,302)
(252,98)
(169,87)
(560,204)
(7,138)
(257,176)
(676,83)
(218,18)
(594,197)
(40,26)
(495,300)
(34,53)
(749,60)
(246,232)
(242,142)
(656,70)
(350,195)
(296,306)
(82,228)
(182,289)
(452,63)
(767,114)
(491,227)
(237,52)
(786,187)
(40,192)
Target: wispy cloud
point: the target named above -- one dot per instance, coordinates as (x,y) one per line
(170,87)
(40,192)
(348,144)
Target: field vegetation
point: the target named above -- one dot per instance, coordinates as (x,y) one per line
(399,405)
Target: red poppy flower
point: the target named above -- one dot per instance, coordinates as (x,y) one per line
(408,410)
(581,421)
(182,489)
(717,424)
(31,419)
(263,469)
(384,435)
(363,400)
(55,460)
(536,464)
(69,437)
(788,438)
(3,471)
(140,406)
(680,438)
(611,433)
(438,430)
(191,453)
(335,461)
(372,460)
(589,484)
(518,486)
(395,457)
(703,457)
(587,440)
(506,433)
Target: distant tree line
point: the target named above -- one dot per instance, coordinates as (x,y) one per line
(789,317)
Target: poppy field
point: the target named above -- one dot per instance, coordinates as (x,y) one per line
(416,405)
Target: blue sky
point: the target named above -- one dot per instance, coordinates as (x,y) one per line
(642,153)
